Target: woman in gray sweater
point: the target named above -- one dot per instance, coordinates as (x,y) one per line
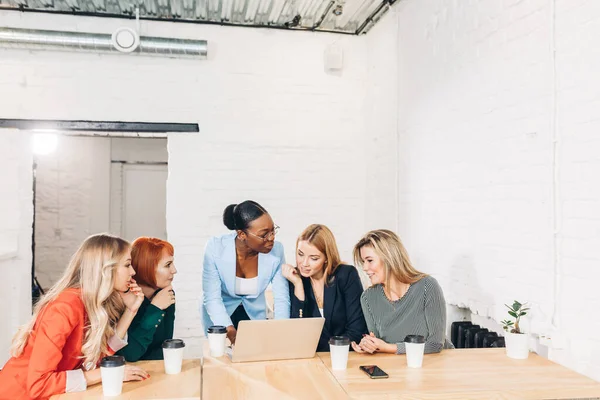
(402,301)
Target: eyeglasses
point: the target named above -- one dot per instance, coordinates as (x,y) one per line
(266,236)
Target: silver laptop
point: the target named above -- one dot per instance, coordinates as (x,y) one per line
(277,339)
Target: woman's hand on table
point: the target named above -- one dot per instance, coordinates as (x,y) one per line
(372,344)
(133,373)
(231,334)
(358,349)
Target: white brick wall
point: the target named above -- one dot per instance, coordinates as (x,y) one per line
(381,113)
(578,85)
(16,215)
(476,118)
(275,127)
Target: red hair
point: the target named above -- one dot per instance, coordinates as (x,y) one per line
(146,252)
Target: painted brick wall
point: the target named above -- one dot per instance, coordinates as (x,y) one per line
(482,97)
(577,62)
(16,215)
(381,113)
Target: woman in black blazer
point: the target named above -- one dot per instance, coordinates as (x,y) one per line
(320,285)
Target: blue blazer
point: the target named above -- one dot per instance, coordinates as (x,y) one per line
(218,283)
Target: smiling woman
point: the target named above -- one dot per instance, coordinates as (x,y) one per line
(238,267)
(402,300)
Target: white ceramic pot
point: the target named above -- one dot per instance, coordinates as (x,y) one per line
(517,345)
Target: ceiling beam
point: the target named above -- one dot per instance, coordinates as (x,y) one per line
(97,126)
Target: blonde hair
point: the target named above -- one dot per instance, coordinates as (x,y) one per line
(388,246)
(322,238)
(92,270)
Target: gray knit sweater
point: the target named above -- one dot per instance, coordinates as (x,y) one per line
(421,311)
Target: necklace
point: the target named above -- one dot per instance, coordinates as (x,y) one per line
(390,294)
(319,299)
(317,288)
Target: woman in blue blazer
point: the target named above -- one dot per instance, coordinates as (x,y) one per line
(239,266)
(321,286)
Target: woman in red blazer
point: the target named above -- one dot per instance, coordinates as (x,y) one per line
(83,317)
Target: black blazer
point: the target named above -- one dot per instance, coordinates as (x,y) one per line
(342,310)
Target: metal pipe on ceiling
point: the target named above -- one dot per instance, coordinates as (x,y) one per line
(34,39)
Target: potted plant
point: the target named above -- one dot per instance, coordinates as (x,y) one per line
(517,342)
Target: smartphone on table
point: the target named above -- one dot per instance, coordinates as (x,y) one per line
(373,371)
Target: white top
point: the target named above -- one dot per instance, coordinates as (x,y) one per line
(245,286)
(321,311)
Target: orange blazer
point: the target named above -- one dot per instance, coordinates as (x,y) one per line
(53,347)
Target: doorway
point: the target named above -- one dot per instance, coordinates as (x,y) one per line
(93,184)
(138,191)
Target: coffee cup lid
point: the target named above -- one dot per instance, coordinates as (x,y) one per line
(173,344)
(339,341)
(112,361)
(217,329)
(414,339)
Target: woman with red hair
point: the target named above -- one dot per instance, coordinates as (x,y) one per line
(152,260)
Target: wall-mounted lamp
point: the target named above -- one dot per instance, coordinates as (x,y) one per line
(126,40)
(44,143)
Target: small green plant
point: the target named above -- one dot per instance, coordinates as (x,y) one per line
(516,311)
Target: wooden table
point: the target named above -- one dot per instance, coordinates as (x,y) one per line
(452,374)
(185,385)
(290,379)
(463,374)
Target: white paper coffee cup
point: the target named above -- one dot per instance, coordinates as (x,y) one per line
(173,355)
(112,370)
(415,348)
(216,340)
(339,347)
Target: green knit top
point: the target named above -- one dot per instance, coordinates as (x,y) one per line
(148,330)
